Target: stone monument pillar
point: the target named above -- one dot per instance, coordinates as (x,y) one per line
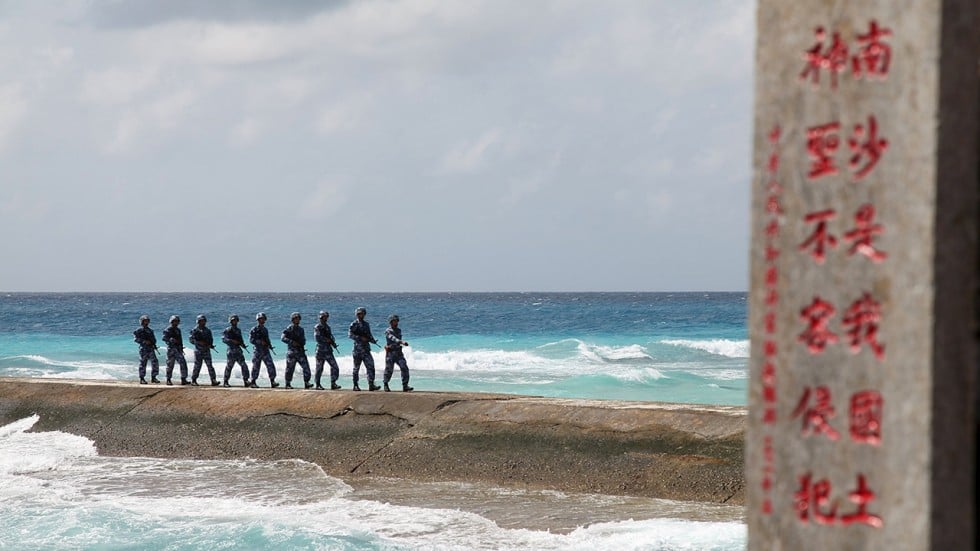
(861,430)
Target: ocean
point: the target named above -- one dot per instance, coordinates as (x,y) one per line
(57,493)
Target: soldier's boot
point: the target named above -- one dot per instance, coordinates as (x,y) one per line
(386,387)
(289,383)
(372,387)
(194,382)
(252,384)
(318,385)
(184,382)
(155,381)
(248,383)
(356,388)
(406,388)
(214,382)
(307,384)
(142,381)
(334,386)
(275,384)
(170,383)
(225,384)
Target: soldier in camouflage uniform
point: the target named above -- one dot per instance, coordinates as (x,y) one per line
(175,351)
(203,342)
(325,345)
(148,349)
(360,333)
(262,347)
(232,336)
(394,354)
(295,339)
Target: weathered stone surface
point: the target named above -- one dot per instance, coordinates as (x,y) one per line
(655,450)
(848,330)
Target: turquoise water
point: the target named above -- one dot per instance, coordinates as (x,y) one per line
(56,492)
(680,347)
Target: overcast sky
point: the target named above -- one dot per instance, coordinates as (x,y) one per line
(389,145)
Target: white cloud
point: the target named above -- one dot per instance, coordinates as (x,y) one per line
(13,110)
(116,86)
(245,132)
(471,156)
(293,90)
(164,114)
(241,44)
(57,56)
(327,198)
(529,183)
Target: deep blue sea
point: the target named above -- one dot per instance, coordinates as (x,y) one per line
(57,493)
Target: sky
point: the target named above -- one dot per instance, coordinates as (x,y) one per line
(375,145)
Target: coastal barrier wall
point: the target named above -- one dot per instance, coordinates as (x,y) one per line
(671,451)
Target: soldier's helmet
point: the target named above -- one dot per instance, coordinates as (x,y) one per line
(295,315)
(202,317)
(144,317)
(260,316)
(174,318)
(233,317)
(393,317)
(360,310)
(324,314)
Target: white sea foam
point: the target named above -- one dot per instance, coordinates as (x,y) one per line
(57,493)
(480,360)
(720,347)
(24,452)
(82,367)
(600,353)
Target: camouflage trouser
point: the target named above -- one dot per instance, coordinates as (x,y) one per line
(292,357)
(203,356)
(390,361)
(148,355)
(235,355)
(260,355)
(363,354)
(326,356)
(176,355)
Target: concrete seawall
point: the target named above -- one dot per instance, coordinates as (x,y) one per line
(670,451)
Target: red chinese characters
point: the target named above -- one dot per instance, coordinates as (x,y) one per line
(821,144)
(813,501)
(865,417)
(864,232)
(866,144)
(816,409)
(845,155)
(817,334)
(861,236)
(872,57)
(771,231)
(832,58)
(816,415)
(860,322)
(820,240)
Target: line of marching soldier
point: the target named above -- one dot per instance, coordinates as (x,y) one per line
(294,337)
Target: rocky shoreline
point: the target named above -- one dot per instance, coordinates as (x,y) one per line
(670,451)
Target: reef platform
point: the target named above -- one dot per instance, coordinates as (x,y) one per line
(671,451)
